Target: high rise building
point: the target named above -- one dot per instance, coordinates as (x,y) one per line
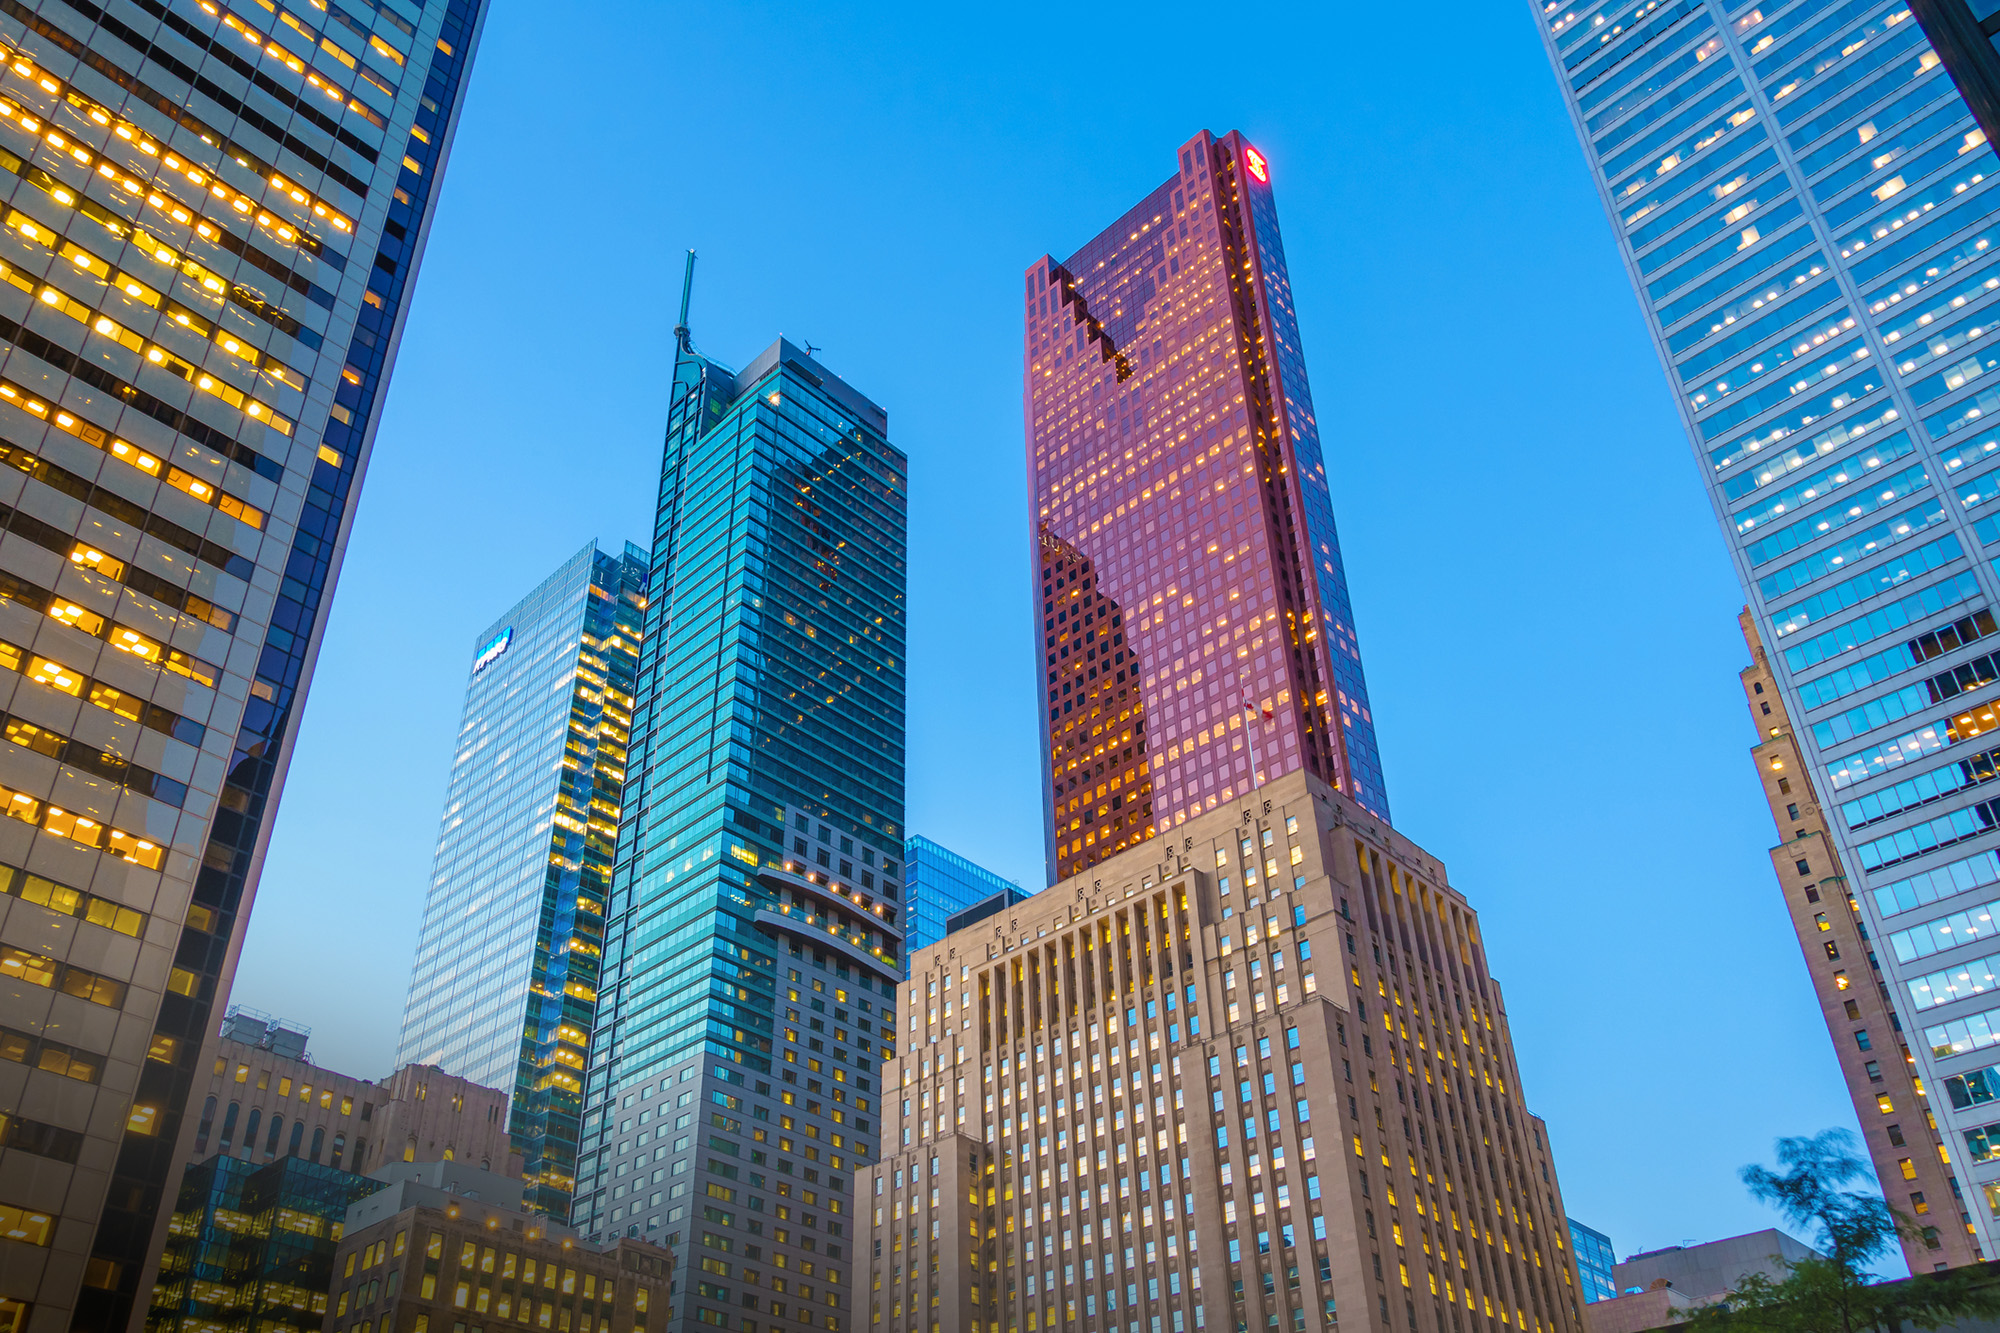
(1594,1261)
(1800,195)
(1195,628)
(756,926)
(1891,1102)
(938,884)
(215,215)
(504,991)
(1252,1076)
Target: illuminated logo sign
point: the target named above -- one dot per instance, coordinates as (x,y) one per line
(492,650)
(1259,168)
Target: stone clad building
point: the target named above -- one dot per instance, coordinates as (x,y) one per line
(1253,1074)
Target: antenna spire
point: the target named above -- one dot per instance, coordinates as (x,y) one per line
(687,293)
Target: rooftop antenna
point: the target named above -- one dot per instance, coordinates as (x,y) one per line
(687,292)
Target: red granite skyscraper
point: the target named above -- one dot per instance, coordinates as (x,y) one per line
(1195,627)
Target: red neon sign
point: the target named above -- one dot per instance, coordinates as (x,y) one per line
(1259,168)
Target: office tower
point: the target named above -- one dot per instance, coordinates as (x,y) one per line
(1594,1261)
(755,937)
(504,990)
(213,221)
(1195,627)
(441,1244)
(1891,1102)
(1167,1094)
(938,883)
(1800,197)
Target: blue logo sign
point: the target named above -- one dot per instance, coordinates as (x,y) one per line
(492,650)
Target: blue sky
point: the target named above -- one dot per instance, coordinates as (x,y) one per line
(1545,610)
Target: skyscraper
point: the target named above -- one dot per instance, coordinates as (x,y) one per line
(1912,1157)
(1801,199)
(215,214)
(1195,628)
(939,883)
(755,936)
(504,991)
(1181,1091)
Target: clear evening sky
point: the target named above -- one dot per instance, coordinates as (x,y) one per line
(1545,611)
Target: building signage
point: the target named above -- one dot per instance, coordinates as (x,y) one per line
(492,650)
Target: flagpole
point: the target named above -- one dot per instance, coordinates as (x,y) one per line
(1249,727)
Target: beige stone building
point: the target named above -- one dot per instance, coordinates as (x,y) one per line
(1252,1074)
(1912,1162)
(264,1100)
(439,1251)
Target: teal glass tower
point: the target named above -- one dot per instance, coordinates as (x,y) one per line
(504,990)
(756,936)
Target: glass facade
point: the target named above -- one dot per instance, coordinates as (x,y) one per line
(756,934)
(250,1248)
(214,215)
(504,991)
(1799,193)
(1195,626)
(939,883)
(1594,1261)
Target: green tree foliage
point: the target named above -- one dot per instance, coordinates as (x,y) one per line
(1832,1292)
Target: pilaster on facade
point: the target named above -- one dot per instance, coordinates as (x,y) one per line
(1910,1156)
(1135,1096)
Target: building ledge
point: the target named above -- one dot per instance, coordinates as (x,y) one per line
(818,938)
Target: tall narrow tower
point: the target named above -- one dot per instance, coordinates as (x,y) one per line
(214,216)
(1805,207)
(755,938)
(1195,634)
(504,991)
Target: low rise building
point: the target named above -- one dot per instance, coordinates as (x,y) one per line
(265,1100)
(446,1248)
(281,1149)
(250,1248)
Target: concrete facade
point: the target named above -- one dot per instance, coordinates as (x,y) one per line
(1250,1074)
(1705,1272)
(1869,1040)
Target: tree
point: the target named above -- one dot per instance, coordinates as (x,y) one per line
(1831,1292)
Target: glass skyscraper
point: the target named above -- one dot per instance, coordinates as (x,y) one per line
(756,929)
(1194,628)
(939,883)
(1800,196)
(214,215)
(504,991)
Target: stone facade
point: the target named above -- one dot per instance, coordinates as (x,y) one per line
(1251,1074)
(467,1265)
(418,1113)
(1896,1120)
